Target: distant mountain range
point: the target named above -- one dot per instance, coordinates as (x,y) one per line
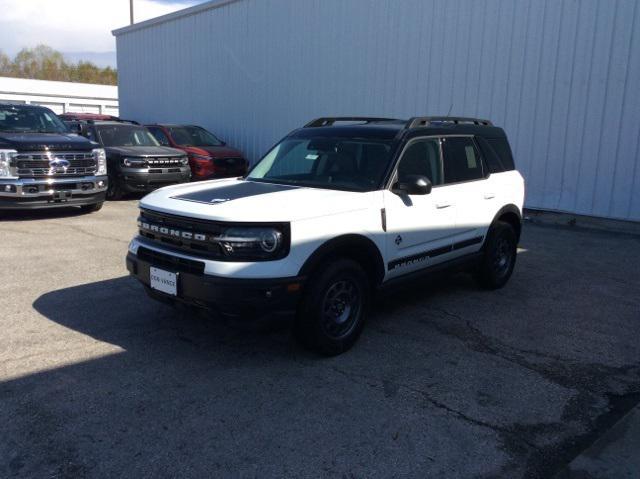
(101,59)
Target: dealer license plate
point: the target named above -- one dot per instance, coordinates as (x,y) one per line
(164,281)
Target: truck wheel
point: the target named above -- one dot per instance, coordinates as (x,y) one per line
(334,307)
(91,208)
(114,192)
(500,252)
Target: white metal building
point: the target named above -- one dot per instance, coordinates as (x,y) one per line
(61,96)
(561,76)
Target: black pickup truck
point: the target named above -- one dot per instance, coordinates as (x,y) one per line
(44,165)
(137,162)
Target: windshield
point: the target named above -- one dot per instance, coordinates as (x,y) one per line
(193,136)
(334,163)
(30,120)
(126,135)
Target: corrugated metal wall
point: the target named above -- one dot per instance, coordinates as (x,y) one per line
(561,76)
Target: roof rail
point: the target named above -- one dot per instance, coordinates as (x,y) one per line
(330,120)
(419,121)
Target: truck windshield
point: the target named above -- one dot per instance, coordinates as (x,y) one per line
(333,163)
(30,120)
(125,135)
(193,136)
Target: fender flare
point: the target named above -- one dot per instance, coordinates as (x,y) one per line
(512,209)
(360,246)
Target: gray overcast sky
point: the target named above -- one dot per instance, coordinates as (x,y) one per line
(79,28)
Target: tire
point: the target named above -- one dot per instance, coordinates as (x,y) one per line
(334,307)
(91,208)
(114,191)
(500,253)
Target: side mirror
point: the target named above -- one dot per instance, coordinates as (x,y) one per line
(413,185)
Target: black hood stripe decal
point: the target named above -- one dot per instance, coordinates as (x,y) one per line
(222,194)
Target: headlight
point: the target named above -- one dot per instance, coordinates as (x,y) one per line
(201,157)
(134,162)
(184,161)
(101,160)
(253,243)
(5,162)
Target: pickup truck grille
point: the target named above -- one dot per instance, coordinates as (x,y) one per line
(169,231)
(54,164)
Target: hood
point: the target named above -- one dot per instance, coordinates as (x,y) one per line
(45,141)
(241,200)
(214,151)
(143,151)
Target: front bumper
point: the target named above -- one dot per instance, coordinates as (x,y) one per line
(141,180)
(31,193)
(231,297)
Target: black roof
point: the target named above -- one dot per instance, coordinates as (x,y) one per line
(391,128)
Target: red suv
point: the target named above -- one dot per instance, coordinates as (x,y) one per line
(209,157)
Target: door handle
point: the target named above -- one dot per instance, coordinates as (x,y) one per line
(489,196)
(441,206)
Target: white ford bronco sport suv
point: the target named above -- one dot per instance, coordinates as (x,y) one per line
(333,213)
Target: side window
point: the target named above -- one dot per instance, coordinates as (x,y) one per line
(90,134)
(462,160)
(159,135)
(491,158)
(502,148)
(422,157)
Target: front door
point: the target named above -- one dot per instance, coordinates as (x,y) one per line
(419,227)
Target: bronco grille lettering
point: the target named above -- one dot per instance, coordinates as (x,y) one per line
(172,232)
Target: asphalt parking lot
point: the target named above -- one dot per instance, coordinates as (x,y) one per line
(96,380)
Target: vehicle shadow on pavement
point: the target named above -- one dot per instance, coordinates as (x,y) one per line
(187,395)
(447,380)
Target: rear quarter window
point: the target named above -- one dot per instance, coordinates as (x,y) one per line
(503,150)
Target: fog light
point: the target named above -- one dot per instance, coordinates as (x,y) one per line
(100,184)
(9,188)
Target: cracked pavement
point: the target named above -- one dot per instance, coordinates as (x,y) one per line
(447,380)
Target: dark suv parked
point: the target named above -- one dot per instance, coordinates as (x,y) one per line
(136,161)
(209,156)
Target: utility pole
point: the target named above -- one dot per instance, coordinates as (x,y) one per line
(131,11)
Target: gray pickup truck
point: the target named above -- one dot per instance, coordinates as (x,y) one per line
(44,165)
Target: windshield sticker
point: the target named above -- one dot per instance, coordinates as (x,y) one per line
(312,157)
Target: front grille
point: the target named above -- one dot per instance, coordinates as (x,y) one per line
(44,164)
(205,249)
(163,162)
(174,263)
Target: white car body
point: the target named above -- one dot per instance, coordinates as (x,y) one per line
(331,215)
(450,215)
